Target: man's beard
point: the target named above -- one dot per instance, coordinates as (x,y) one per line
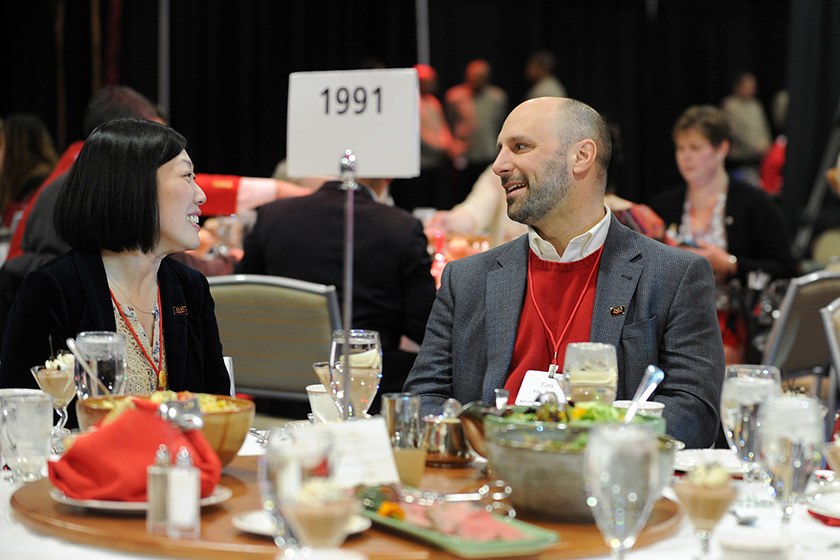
(538,202)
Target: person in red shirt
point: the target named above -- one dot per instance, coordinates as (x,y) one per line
(577,276)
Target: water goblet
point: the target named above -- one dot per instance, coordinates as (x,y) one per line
(621,473)
(104,354)
(365,355)
(590,372)
(58,382)
(300,491)
(790,441)
(745,388)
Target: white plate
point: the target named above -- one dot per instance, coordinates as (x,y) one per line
(825,503)
(219,495)
(687,459)
(259,522)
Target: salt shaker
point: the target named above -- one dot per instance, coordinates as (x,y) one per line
(182,498)
(156,490)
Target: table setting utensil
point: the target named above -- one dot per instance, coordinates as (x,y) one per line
(705,495)
(790,442)
(100,363)
(57,380)
(365,355)
(300,490)
(401,412)
(25,428)
(590,372)
(621,472)
(745,388)
(653,376)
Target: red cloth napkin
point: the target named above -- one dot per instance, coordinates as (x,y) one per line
(109,463)
(830,521)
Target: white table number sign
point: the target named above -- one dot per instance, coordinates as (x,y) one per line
(372,112)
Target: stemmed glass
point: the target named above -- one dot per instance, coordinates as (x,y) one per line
(301,493)
(790,440)
(365,352)
(590,372)
(705,496)
(57,380)
(621,472)
(745,388)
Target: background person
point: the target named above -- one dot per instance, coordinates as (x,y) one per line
(735,226)
(130,201)
(475,110)
(27,156)
(393,288)
(539,69)
(750,130)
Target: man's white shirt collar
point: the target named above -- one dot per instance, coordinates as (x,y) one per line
(578,248)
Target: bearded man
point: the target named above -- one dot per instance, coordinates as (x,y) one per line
(578,275)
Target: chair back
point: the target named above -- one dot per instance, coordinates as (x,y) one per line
(274,328)
(797,343)
(831,321)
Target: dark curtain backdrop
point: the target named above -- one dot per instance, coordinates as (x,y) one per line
(814,112)
(640,62)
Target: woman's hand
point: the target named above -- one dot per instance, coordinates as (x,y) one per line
(724,265)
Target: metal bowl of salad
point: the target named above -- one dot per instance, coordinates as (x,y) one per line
(542,460)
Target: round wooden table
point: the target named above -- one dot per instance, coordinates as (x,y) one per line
(221,540)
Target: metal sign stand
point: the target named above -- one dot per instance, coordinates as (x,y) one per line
(347,165)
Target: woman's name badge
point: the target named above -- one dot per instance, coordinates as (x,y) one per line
(536,383)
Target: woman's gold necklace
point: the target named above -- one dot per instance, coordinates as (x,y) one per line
(134,305)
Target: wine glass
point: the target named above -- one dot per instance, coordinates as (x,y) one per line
(705,496)
(365,352)
(745,388)
(790,440)
(301,493)
(58,382)
(621,473)
(590,372)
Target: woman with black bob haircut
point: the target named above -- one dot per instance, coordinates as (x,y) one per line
(130,201)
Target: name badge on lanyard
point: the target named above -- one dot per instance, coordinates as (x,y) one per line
(534,384)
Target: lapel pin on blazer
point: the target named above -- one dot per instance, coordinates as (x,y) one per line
(619,310)
(179,310)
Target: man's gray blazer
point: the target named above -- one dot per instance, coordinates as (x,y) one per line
(654,303)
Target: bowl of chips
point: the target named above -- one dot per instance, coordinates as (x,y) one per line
(226,419)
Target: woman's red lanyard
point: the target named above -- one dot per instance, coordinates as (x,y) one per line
(555,342)
(156,367)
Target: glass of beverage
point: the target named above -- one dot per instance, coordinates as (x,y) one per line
(365,355)
(57,380)
(402,417)
(745,388)
(791,435)
(104,354)
(25,431)
(705,495)
(300,491)
(621,473)
(590,372)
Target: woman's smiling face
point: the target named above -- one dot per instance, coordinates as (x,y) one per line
(179,198)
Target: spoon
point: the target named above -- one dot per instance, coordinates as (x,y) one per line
(742,519)
(652,378)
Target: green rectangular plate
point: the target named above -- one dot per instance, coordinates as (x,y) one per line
(536,539)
